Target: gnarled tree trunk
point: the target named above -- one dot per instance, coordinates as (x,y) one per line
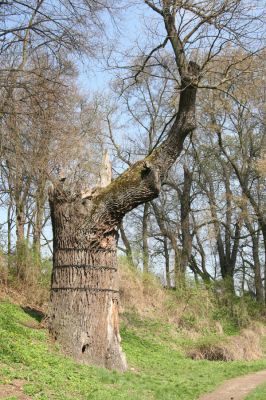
(84,297)
(84,294)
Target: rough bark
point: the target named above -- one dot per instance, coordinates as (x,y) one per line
(84,294)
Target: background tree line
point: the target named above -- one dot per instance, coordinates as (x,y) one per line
(209,221)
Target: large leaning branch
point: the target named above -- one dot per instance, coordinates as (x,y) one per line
(142,181)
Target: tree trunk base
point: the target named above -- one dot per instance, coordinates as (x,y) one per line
(85,323)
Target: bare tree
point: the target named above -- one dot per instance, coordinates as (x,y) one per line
(235,128)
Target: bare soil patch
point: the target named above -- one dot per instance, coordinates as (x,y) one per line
(15,389)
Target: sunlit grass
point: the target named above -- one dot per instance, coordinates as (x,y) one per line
(158,368)
(258,394)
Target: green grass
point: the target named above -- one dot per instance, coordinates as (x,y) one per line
(258,394)
(158,368)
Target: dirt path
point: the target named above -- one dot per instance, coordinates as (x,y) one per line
(233,389)
(237,388)
(15,389)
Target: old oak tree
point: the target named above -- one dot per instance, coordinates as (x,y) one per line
(84,291)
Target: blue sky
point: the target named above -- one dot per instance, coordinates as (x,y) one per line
(123,34)
(93,74)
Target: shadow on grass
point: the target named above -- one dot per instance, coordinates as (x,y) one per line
(34,313)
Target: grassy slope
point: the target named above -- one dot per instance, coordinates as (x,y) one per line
(158,369)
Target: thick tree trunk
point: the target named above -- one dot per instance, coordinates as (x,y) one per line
(84,313)
(84,294)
